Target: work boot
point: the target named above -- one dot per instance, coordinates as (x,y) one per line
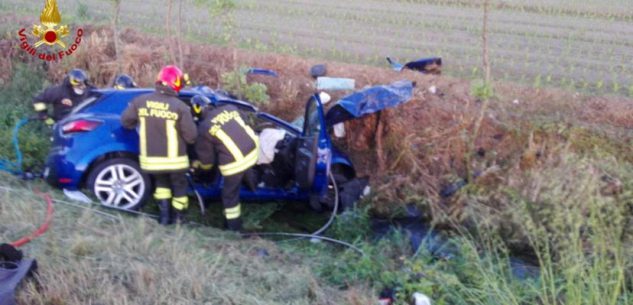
(234,224)
(165,215)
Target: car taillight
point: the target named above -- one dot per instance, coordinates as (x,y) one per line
(80,126)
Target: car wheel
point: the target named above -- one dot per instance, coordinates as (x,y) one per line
(119,183)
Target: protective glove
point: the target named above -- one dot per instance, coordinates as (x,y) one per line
(43,116)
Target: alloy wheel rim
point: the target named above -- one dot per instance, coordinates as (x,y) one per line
(120,186)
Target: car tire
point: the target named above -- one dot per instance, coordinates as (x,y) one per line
(119,183)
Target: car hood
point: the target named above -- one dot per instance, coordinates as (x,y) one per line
(369,100)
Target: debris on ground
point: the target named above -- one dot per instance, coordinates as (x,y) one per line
(430,65)
(13,269)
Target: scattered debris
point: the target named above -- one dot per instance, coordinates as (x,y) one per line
(351,191)
(13,269)
(335,83)
(325,98)
(317,71)
(433,89)
(261,71)
(430,65)
(77,196)
(387,296)
(420,299)
(339,130)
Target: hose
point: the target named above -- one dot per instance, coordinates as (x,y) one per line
(316,233)
(334,210)
(43,227)
(6,165)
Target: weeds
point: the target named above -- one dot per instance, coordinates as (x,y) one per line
(481,90)
(236,83)
(352,225)
(16,104)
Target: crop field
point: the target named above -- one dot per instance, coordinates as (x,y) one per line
(578,45)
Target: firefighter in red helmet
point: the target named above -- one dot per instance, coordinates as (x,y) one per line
(165,128)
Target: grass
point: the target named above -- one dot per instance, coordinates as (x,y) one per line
(86,257)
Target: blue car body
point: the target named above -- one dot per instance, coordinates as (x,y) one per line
(92,134)
(91,148)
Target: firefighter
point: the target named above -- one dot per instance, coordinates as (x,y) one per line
(123,81)
(223,136)
(165,128)
(63,98)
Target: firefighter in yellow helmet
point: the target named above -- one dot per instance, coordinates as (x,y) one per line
(63,98)
(165,128)
(225,138)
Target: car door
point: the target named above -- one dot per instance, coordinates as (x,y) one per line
(314,150)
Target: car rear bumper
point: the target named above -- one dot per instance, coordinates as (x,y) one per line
(60,172)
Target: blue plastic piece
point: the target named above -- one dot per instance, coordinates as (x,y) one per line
(11,274)
(396,66)
(13,269)
(370,100)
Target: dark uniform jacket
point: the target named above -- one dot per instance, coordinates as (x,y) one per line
(165,129)
(224,135)
(61,98)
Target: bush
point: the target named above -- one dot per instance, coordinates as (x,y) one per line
(236,83)
(352,225)
(481,90)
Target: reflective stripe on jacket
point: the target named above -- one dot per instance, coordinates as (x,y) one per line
(165,128)
(223,133)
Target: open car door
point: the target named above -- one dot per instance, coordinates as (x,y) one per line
(314,151)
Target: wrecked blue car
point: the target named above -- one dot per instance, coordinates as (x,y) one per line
(92,150)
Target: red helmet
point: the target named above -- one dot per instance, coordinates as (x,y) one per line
(172,77)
